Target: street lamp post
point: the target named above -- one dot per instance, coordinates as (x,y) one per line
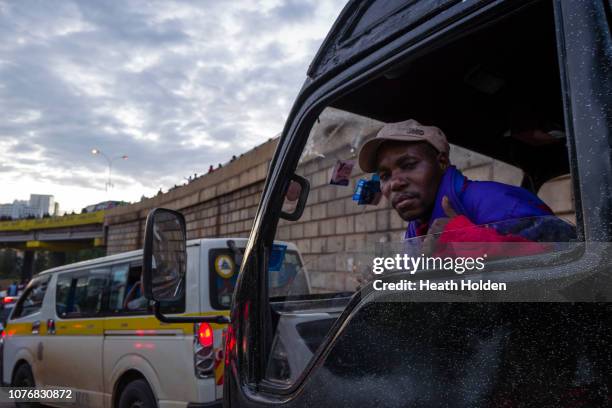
(109,160)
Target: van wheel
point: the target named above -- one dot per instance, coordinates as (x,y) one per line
(137,394)
(23,378)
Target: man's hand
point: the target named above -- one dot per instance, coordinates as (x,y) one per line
(448,208)
(437,227)
(439,223)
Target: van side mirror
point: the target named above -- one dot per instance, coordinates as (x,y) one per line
(165,256)
(164,264)
(297,193)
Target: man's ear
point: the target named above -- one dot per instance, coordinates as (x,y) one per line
(443,160)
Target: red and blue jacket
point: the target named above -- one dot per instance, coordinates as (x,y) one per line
(514,213)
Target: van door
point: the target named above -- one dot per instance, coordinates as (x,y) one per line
(47,313)
(74,352)
(135,340)
(25,331)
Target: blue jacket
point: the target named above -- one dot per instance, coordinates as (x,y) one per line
(486,202)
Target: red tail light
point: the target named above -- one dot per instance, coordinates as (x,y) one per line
(205,335)
(9,299)
(204,353)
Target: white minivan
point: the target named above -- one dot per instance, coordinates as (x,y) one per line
(87,326)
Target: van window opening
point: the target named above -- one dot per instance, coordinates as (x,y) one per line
(288,281)
(126,294)
(32,299)
(81,294)
(134,300)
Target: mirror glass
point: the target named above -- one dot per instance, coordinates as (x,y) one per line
(169,256)
(294,190)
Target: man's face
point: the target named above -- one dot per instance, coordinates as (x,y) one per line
(410,174)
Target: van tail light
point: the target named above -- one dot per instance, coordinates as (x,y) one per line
(204,356)
(205,335)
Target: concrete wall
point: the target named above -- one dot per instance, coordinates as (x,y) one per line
(221,203)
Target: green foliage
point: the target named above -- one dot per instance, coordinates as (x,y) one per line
(11,260)
(84,254)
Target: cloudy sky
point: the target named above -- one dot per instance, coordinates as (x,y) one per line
(175,85)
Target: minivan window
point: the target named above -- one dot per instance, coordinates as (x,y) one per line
(133,300)
(32,299)
(125,295)
(80,294)
(118,290)
(287,276)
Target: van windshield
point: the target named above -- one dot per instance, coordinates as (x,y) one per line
(286,275)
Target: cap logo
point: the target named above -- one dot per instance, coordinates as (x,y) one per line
(415,131)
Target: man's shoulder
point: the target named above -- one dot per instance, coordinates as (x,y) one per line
(489,201)
(482,189)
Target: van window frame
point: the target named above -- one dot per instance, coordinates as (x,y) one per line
(107,312)
(87,272)
(165,308)
(44,280)
(212,290)
(291,146)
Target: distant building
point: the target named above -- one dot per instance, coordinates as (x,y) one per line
(56,209)
(43,203)
(37,206)
(18,209)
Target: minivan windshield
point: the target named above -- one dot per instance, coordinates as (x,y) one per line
(287,275)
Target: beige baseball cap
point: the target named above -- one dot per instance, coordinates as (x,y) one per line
(406,131)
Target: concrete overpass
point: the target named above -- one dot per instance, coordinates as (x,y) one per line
(57,234)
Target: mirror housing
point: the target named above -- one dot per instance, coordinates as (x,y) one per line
(164,256)
(164,264)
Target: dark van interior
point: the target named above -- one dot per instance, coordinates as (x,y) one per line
(487,90)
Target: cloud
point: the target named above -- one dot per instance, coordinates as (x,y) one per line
(177,86)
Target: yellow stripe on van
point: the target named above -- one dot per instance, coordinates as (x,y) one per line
(21,329)
(144,324)
(79,327)
(97,326)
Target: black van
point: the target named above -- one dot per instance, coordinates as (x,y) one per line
(523,91)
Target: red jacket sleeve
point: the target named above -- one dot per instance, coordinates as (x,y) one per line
(461,237)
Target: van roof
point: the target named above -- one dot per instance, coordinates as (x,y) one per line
(136,253)
(365,27)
